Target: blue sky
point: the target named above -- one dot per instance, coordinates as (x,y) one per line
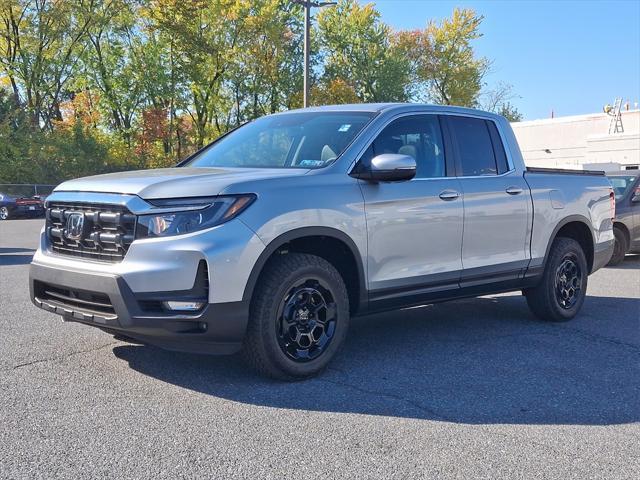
(569,56)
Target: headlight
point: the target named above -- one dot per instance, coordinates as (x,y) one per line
(197,214)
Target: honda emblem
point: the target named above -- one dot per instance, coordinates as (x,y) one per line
(75,226)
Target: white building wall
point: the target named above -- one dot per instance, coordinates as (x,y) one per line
(571,142)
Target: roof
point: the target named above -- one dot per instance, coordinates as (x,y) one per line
(391,107)
(576,118)
(625,173)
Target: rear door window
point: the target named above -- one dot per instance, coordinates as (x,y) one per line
(475,148)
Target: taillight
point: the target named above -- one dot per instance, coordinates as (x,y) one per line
(612,203)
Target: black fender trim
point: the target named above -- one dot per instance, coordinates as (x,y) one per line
(300,233)
(562,223)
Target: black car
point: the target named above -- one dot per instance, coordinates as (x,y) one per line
(626,227)
(11,207)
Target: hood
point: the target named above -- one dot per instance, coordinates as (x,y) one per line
(174,182)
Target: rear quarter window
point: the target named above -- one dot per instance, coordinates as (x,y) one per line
(498,148)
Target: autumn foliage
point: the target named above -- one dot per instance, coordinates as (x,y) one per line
(91,86)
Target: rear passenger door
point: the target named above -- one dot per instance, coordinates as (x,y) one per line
(414,228)
(496,201)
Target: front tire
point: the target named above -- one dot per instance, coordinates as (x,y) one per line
(4,213)
(563,287)
(298,319)
(620,247)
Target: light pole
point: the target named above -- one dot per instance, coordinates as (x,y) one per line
(307,5)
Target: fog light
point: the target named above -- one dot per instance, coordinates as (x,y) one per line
(183,306)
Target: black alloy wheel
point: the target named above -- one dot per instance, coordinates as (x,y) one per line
(298,318)
(306,320)
(568,281)
(562,289)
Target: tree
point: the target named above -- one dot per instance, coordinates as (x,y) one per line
(498,100)
(334,92)
(356,47)
(112,63)
(163,86)
(205,35)
(266,72)
(15,135)
(90,86)
(72,149)
(445,62)
(40,43)
(510,112)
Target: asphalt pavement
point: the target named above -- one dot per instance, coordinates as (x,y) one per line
(475,388)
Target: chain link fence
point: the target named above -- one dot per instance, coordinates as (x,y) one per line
(26,190)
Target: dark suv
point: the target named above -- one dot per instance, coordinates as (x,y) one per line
(626,227)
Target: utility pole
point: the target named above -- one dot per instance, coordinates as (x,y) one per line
(307,5)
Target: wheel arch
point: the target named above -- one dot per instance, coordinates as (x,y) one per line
(307,240)
(625,231)
(579,229)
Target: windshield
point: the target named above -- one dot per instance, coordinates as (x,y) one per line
(293,140)
(621,184)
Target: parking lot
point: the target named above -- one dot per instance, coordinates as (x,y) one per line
(471,389)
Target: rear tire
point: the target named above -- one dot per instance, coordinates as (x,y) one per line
(298,319)
(562,290)
(620,247)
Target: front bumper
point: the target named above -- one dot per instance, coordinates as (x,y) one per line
(106,301)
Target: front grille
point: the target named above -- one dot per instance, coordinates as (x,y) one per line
(105,234)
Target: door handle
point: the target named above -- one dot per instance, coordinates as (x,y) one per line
(449,195)
(514,190)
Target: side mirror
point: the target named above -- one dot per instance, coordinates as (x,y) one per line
(635,198)
(388,167)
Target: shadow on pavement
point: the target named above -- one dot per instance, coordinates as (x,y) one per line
(476,361)
(4,250)
(630,262)
(15,256)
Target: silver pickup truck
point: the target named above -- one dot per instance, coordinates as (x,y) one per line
(271,238)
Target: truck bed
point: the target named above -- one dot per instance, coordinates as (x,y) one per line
(565,171)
